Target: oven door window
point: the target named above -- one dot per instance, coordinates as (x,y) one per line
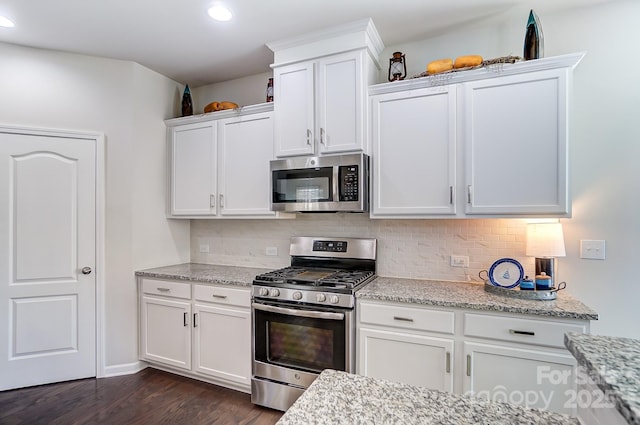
(304,185)
(305,343)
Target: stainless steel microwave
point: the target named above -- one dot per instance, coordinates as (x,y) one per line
(336,183)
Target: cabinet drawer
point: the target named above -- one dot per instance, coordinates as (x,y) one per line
(407,317)
(166,288)
(222,295)
(519,330)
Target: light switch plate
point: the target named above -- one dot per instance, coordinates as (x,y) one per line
(204,248)
(459,261)
(271,251)
(592,249)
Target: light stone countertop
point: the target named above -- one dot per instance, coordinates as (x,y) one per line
(205,273)
(470,295)
(614,365)
(340,398)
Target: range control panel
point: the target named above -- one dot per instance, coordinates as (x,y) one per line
(349,182)
(330,246)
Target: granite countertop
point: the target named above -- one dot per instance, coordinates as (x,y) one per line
(472,296)
(614,365)
(205,273)
(342,398)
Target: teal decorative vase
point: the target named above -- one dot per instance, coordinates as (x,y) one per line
(187,105)
(533,38)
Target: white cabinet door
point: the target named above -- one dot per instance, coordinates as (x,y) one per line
(515,131)
(523,376)
(165,331)
(246,147)
(294,109)
(340,104)
(414,152)
(193,174)
(222,343)
(407,358)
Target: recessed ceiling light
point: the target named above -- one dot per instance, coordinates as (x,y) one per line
(6,22)
(220,13)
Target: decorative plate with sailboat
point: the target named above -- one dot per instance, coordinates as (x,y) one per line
(506,273)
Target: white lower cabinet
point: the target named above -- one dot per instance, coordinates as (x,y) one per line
(165,334)
(200,331)
(407,358)
(516,358)
(397,343)
(222,348)
(523,376)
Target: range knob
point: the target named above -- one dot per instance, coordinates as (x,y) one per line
(297,295)
(264,292)
(274,292)
(334,299)
(321,298)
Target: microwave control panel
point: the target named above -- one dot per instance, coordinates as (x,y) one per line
(349,182)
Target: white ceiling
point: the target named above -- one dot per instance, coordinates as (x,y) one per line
(178,39)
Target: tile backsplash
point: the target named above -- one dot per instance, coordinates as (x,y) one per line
(419,249)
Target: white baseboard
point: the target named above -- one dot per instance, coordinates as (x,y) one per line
(123,369)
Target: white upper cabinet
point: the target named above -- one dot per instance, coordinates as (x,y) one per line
(245,146)
(193,156)
(479,143)
(219,164)
(516,143)
(293,86)
(320,90)
(414,147)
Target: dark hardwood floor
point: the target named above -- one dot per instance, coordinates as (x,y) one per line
(148,397)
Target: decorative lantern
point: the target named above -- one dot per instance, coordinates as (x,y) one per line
(270,90)
(397,67)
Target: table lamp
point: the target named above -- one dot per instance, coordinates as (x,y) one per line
(545,241)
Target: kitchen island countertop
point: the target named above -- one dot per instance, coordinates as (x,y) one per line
(205,273)
(614,366)
(337,398)
(470,295)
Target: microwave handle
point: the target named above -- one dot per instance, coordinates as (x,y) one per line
(299,313)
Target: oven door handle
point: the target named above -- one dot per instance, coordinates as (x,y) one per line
(299,313)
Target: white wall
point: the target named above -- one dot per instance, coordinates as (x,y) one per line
(244,91)
(127,103)
(605,183)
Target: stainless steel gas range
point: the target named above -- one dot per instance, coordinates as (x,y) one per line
(304,316)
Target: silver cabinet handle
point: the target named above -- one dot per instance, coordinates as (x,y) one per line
(308,137)
(163,289)
(403,319)
(212,200)
(221,200)
(468,364)
(469,194)
(322,136)
(517,332)
(185,319)
(195,322)
(86,270)
(448,362)
(451,195)
(222,297)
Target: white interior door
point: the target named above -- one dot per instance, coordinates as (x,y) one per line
(47,256)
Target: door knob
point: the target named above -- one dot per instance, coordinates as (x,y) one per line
(86,270)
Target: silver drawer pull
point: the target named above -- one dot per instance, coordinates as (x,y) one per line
(403,319)
(164,289)
(517,332)
(222,297)
(448,363)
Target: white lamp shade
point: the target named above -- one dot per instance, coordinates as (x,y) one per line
(545,240)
